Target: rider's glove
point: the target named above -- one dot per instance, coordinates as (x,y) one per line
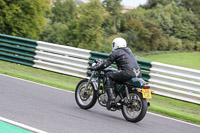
(92,68)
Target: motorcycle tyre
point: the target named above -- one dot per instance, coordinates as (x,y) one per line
(142,113)
(94,99)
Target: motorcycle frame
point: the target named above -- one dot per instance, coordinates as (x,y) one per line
(96,84)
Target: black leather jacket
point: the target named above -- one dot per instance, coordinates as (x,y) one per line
(124,59)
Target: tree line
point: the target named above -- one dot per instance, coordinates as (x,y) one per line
(158,25)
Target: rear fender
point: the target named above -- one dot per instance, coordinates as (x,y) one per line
(136,82)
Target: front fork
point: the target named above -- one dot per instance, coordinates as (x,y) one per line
(86,87)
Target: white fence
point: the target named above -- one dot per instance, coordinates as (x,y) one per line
(62,59)
(176,82)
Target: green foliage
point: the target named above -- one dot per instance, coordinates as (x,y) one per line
(183,27)
(158,25)
(155,35)
(133,24)
(172,27)
(153,3)
(185,30)
(162,16)
(188,45)
(143,36)
(78,27)
(63,24)
(114,8)
(55,33)
(138,13)
(174,44)
(91,18)
(106,46)
(23,18)
(192,5)
(133,29)
(64,11)
(197,47)
(131,37)
(108,25)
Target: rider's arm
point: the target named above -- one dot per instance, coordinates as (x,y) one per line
(108,62)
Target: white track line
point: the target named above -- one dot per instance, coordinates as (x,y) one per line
(22,125)
(73,92)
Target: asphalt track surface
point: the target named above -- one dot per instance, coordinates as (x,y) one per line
(55,111)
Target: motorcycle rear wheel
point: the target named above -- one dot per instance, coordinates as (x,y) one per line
(136,111)
(88,99)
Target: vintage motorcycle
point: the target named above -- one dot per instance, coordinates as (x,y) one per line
(131,96)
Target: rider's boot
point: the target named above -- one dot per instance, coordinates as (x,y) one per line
(111,98)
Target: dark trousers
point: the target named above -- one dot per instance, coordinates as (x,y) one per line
(119,76)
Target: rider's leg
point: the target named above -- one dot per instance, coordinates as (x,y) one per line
(119,76)
(110,89)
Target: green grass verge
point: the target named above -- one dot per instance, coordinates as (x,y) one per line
(166,106)
(175,108)
(38,75)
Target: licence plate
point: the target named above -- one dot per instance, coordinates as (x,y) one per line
(146,93)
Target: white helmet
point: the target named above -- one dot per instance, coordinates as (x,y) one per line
(118,43)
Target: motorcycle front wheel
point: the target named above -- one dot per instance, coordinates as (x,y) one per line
(136,109)
(85,97)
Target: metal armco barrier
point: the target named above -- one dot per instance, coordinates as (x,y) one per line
(176,82)
(62,59)
(17,50)
(166,80)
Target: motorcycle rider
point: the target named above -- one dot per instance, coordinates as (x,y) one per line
(127,67)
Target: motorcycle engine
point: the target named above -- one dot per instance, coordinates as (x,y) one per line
(103,99)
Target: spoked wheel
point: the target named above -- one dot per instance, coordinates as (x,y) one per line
(136,109)
(85,97)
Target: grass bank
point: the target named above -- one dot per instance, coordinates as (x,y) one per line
(184,59)
(38,75)
(170,107)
